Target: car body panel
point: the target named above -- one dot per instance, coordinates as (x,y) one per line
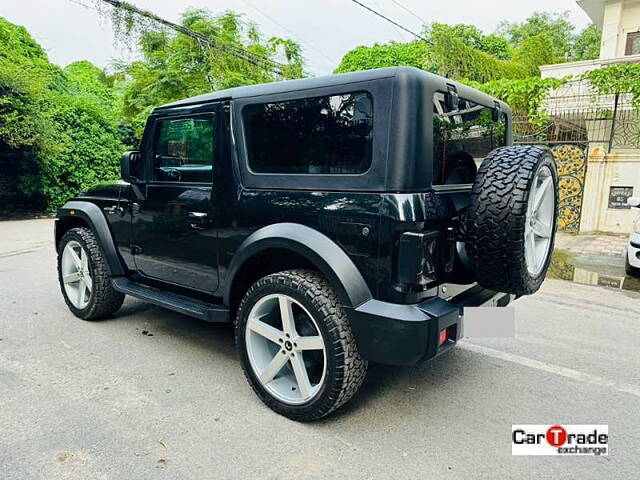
(348,226)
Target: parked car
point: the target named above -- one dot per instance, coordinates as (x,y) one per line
(335,220)
(632,255)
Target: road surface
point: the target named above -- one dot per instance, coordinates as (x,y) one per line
(154,394)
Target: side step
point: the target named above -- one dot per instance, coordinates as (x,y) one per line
(178,303)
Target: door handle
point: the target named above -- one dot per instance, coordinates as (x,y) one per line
(113,210)
(197,220)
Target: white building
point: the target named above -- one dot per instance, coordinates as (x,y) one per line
(614,144)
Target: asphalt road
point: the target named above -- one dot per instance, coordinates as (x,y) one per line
(104,400)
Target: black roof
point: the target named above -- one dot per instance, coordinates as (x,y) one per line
(324,81)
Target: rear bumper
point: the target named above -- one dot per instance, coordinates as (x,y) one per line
(397,334)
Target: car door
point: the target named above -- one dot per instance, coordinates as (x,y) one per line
(173,226)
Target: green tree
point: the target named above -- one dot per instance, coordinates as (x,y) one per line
(26,76)
(392,54)
(555,26)
(472,36)
(174,66)
(61,123)
(496,45)
(587,44)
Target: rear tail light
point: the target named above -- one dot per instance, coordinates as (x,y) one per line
(444,336)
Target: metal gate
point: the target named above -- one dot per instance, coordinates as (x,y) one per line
(570,150)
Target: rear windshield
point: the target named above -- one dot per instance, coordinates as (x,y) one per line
(328,135)
(462,138)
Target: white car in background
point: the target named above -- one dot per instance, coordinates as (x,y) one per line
(632,257)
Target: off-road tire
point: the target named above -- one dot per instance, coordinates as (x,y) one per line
(104,300)
(497,215)
(346,369)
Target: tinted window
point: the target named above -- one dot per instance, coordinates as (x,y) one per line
(184,150)
(462,138)
(320,135)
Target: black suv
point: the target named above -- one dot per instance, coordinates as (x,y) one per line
(335,220)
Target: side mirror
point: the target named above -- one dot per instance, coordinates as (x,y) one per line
(633,201)
(130,166)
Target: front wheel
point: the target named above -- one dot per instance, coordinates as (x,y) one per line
(84,278)
(296,345)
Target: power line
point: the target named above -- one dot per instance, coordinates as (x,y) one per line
(400,32)
(420,37)
(269,17)
(408,10)
(239,52)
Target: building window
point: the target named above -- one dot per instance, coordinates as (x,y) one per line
(321,135)
(633,44)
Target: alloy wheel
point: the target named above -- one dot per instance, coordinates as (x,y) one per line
(538,230)
(285,349)
(76,276)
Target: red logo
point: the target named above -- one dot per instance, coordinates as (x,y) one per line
(556,436)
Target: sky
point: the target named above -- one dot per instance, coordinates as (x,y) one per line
(327,29)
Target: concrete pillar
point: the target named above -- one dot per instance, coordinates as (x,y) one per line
(611,29)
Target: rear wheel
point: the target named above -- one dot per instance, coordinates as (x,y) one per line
(296,345)
(83,276)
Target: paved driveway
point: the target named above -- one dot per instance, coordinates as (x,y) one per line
(154,394)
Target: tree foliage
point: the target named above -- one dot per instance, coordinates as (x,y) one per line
(587,44)
(453,53)
(471,36)
(559,30)
(61,122)
(555,26)
(174,66)
(411,54)
(616,79)
(525,96)
(452,58)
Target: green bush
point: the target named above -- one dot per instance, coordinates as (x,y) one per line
(64,123)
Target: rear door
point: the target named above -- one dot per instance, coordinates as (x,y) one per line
(174,235)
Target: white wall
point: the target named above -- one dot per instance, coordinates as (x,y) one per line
(620,18)
(604,171)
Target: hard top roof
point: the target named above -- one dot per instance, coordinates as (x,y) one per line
(314,82)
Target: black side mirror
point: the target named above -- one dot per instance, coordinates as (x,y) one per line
(130,166)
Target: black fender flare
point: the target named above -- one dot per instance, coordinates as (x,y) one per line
(93,216)
(330,259)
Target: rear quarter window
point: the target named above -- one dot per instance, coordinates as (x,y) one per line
(318,135)
(462,138)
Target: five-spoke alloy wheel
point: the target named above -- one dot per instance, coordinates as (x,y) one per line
(76,276)
(539,220)
(289,364)
(296,345)
(84,277)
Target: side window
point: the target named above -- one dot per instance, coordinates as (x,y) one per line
(319,135)
(184,149)
(462,138)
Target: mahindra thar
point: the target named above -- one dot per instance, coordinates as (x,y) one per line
(334,220)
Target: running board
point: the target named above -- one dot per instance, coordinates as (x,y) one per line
(178,303)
